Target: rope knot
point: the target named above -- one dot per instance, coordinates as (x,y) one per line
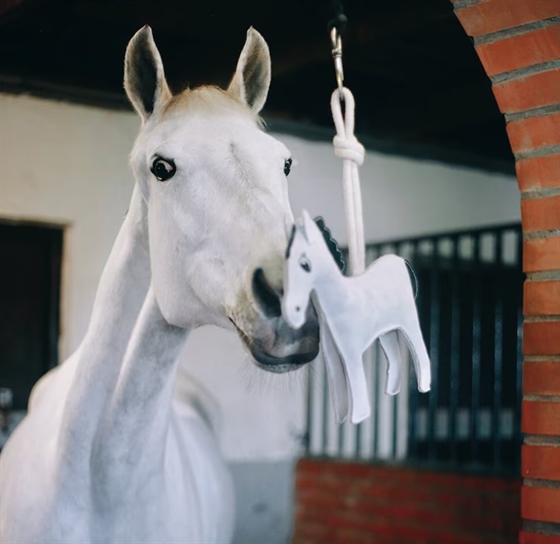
(349,148)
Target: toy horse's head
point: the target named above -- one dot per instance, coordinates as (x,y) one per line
(216,194)
(309,257)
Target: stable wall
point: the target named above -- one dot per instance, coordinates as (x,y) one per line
(68,165)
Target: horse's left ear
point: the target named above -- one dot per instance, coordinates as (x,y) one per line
(251,80)
(144,79)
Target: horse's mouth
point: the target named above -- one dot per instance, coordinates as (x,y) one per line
(271,363)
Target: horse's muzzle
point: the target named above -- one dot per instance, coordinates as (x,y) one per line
(274,345)
(284,348)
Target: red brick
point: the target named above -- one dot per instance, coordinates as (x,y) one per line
(394,505)
(540,504)
(534,91)
(538,173)
(539,417)
(541,254)
(541,45)
(541,298)
(541,338)
(541,378)
(534,132)
(540,213)
(540,462)
(495,15)
(537,538)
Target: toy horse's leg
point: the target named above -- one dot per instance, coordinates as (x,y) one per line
(359,398)
(415,341)
(391,348)
(338,385)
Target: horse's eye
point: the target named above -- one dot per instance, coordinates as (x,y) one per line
(163,169)
(305,264)
(287,166)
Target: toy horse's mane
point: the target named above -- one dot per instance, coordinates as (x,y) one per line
(329,240)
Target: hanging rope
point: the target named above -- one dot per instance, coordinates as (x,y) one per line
(347,147)
(351,151)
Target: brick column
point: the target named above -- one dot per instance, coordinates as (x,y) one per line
(518,42)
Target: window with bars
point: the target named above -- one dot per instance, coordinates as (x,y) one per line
(470,307)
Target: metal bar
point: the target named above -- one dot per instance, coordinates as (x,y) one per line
(455,351)
(377,373)
(434,351)
(395,409)
(498,354)
(412,388)
(476,350)
(358,441)
(325,412)
(373,422)
(395,428)
(340,438)
(309,415)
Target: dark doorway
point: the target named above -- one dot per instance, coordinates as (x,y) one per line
(30,259)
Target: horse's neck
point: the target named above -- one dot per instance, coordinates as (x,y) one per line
(120,295)
(132,435)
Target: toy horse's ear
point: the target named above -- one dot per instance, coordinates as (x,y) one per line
(310,229)
(144,79)
(251,80)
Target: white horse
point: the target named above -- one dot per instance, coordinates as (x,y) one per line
(111,451)
(353,312)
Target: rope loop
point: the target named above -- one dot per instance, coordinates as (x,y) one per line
(347,147)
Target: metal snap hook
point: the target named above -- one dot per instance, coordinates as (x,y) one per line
(336,42)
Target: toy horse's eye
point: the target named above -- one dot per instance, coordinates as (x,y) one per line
(287,166)
(163,169)
(305,264)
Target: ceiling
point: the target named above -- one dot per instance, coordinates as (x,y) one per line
(419,86)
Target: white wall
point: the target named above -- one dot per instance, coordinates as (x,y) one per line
(68,164)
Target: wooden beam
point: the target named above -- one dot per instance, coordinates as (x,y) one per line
(13,8)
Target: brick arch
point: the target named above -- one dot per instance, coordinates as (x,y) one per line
(518,43)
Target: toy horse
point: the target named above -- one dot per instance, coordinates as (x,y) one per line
(353,313)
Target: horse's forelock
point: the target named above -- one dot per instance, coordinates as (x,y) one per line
(210,98)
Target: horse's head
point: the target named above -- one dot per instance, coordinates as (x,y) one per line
(216,192)
(312,253)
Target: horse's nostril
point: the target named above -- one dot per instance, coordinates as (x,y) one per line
(267,298)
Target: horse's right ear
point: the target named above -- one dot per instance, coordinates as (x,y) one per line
(251,80)
(144,79)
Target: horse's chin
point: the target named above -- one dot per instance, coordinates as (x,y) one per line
(279,365)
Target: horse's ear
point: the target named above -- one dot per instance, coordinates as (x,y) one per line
(251,80)
(144,79)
